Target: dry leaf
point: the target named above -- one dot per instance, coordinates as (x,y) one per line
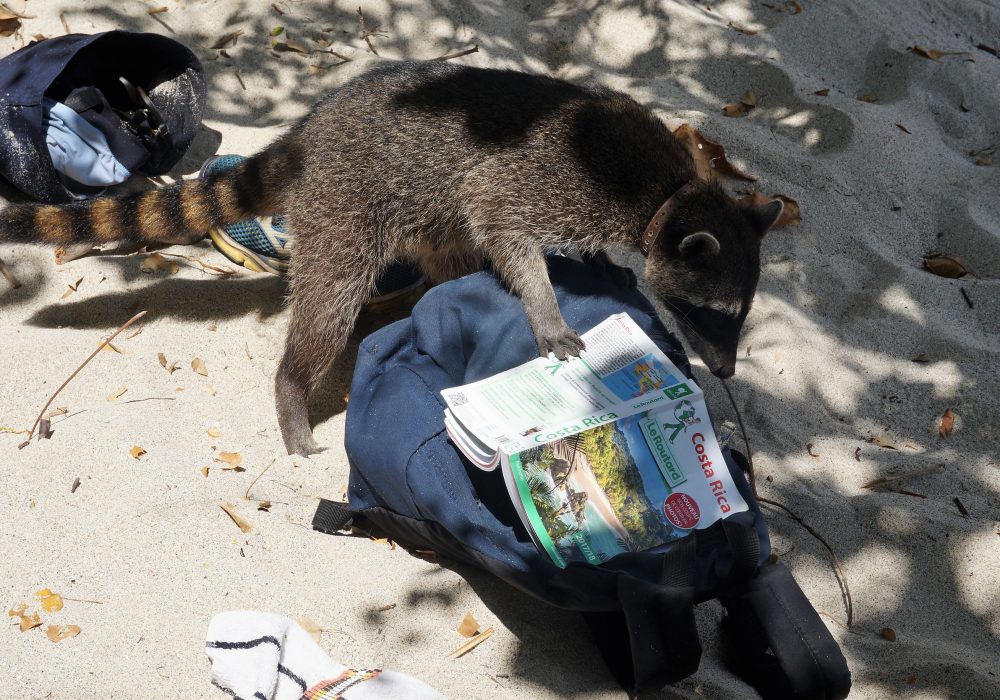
(240,522)
(289,45)
(903,129)
(709,157)
(157,10)
(794,6)
(155,261)
(9,26)
(315,70)
(72,288)
(857,454)
(735,109)
(117,393)
(171,367)
(233,459)
(944,265)
(472,643)
(51,602)
(932,54)
(204,472)
(136,452)
(809,449)
(822,93)
(57,633)
(311,627)
(922,357)
(209,389)
(44,429)
(883,441)
(984,161)
(226,40)
(198,365)
(947,424)
(27,621)
(888,633)
(386,608)
(214,432)
(867,97)
(264,506)
(743,30)
(468,627)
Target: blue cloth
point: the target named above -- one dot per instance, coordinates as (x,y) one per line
(79,150)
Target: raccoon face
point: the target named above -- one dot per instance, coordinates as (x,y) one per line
(704,268)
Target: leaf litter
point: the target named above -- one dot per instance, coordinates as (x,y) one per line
(947,424)
(241,523)
(709,157)
(944,265)
(741,108)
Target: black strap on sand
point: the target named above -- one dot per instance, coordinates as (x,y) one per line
(778,643)
(332,516)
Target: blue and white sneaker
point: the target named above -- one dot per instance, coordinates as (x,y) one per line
(260,244)
(263,245)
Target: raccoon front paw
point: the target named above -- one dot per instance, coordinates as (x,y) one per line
(562,343)
(301,442)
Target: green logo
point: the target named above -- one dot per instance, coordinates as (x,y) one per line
(678,392)
(684,414)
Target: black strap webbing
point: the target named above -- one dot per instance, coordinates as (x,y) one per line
(779,644)
(332,517)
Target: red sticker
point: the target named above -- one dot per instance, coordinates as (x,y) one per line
(681,510)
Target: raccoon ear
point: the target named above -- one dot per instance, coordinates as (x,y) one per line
(763,216)
(700,244)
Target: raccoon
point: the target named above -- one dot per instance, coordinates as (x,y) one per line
(451,167)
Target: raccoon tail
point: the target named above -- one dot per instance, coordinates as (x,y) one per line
(252,188)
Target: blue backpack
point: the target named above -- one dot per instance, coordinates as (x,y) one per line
(409,483)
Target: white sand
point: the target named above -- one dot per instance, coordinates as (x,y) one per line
(843,305)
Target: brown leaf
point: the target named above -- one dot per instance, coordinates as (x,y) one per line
(386,608)
(857,454)
(9,26)
(311,627)
(903,129)
(947,424)
(44,429)
(809,449)
(117,393)
(868,97)
(709,156)
(735,109)
(822,93)
(749,99)
(794,6)
(240,522)
(984,161)
(233,459)
(157,10)
(28,621)
(932,54)
(226,39)
(289,45)
(154,262)
(57,633)
(51,602)
(136,452)
(472,643)
(204,472)
(884,441)
(214,432)
(72,288)
(468,627)
(888,633)
(922,357)
(743,30)
(198,365)
(944,265)
(264,506)
(170,367)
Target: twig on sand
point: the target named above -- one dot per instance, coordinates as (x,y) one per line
(459,54)
(367,33)
(62,386)
(841,575)
(11,279)
(247,494)
(882,481)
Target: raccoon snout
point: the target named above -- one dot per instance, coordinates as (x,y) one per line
(725,370)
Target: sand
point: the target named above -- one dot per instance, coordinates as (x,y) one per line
(826,359)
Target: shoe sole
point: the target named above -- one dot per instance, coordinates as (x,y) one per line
(240,255)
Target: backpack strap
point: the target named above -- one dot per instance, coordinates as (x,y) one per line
(779,644)
(332,516)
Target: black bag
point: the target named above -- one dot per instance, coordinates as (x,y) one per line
(145,92)
(408,482)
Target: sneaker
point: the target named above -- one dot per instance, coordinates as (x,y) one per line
(260,244)
(263,245)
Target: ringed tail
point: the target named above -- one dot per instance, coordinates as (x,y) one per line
(251,188)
